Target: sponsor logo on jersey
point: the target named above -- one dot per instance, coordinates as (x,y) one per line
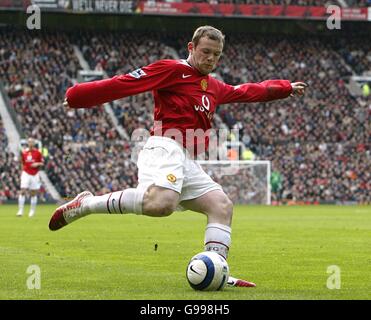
(137,73)
(204,84)
(184,76)
(205,107)
(171,178)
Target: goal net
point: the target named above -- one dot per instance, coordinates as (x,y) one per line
(244,181)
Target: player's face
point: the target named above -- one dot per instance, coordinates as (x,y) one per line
(205,56)
(31,143)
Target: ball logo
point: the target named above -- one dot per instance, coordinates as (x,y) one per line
(171,178)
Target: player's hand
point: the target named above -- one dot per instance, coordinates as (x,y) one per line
(65,103)
(36,164)
(298,88)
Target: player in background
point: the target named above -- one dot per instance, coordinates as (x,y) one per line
(31,161)
(169,178)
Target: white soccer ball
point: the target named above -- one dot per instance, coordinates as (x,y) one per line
(207,271)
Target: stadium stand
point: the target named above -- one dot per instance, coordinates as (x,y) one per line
(319,143)
(359,3)
(37,71)
(8,168)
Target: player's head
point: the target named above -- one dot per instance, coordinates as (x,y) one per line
(31,143)
(205,49)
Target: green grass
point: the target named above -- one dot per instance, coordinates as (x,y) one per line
(285,250)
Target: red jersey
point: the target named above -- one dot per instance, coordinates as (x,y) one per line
(184,98)
(29,157)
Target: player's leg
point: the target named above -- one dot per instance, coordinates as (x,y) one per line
(35,184)
(219,210)
(201,194)
(159,201)
(21,201)
(33,195)
(157,195)
(154,201)
(25,184)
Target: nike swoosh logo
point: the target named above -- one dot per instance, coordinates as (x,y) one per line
(191,267)
(186,76)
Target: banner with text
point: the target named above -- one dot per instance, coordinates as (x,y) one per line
(189,9)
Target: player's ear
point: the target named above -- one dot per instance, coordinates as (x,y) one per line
(190,46)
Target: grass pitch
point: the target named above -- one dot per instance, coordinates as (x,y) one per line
(286,251)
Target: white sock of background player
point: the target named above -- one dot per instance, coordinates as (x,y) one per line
(33,205)
(21,201)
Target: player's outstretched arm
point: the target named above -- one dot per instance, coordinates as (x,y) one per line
(260,92)
(89,94)
(265,91)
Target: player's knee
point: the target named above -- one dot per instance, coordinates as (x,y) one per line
(161,208)
(166,208)
(159,202)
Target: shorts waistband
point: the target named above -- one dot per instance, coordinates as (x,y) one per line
(165,140)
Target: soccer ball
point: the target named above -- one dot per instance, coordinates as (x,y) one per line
(207,271)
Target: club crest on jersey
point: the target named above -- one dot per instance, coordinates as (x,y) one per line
(137,73)
(171,178)
(204,84)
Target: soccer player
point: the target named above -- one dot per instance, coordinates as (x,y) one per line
(32,160)
(185,97)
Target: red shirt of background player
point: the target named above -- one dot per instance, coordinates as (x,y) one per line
(28,158)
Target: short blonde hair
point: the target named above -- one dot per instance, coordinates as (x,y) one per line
(207,31)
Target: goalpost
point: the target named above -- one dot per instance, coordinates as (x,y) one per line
(244,181)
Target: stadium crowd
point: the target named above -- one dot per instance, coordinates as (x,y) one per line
(359,3)
(9,172)
(319,143)
(37,71)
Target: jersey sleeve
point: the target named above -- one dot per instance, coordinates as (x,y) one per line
(254,92)
(152,77)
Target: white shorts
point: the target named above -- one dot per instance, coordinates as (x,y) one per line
(165,163)
(30,182)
